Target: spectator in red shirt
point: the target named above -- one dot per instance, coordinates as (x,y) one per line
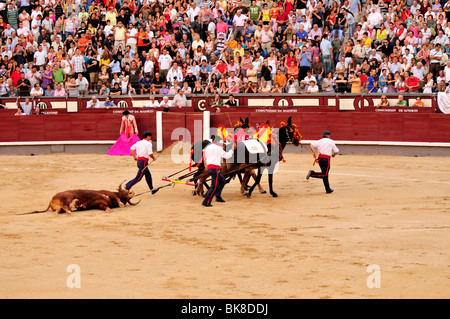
(15,76)
(222,70)
(282,19)
(412,83)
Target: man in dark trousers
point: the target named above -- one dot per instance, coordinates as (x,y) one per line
(214,154)
(141,152)
(327,149)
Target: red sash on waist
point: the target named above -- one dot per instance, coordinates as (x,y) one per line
(143,159)
(211,166)
(324,156)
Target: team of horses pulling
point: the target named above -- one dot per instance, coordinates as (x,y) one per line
(258,148)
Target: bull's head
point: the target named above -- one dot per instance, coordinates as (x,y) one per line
(126,195)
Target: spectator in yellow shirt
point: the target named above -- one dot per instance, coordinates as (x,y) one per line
(239,49)
(367,41)
(111,15)
(381,34)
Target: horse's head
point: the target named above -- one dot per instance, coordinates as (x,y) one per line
(242,124)
(289,133)
(245,126)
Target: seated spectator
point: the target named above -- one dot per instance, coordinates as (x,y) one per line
(265,87)
(231,101)
(186,88)
(19,111)
(166,102)
(312,88)
(442,86)
(412,83)
(93,103)
(179,100)
(372,82)
(216,103)
(164,89)
(108,103)
(401,101)
(23,85)
(250,88)
(49,91)
(36,91)
(146,83)
(384,102)
(418,102)
(234,87)
(153,102)
(329,83)
(309,77)
(198,89)
(173,88)
(341,83)
(83,85)
(60,91)
(281,79)
(276,88)
(116,89)
(104,90)
(26,106)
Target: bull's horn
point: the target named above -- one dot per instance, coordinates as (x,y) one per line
(120,185)
(133,204)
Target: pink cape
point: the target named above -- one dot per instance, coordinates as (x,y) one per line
(123,145)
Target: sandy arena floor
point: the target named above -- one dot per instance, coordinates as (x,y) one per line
(389,211)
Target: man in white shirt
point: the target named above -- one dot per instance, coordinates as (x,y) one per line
(447,72)
(164,64)
(93,103)
(141,152)
(40,56)
(148,65)
(419,70)
(165,102)
(179,100)
(36,25)
(83,84)
(174,74)
(197,42)
(238,22)
(22,29)
(327,149)
(193,11)
(214,154)
(132,37)
(435,60)
(153,102)
(375,18)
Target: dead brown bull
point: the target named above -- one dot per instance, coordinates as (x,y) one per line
(72,200)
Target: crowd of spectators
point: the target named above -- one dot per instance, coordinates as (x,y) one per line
(179,47)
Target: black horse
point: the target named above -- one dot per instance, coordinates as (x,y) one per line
(246,163)
(288,133)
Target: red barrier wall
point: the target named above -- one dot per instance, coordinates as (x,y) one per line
(349,117)
(349,126)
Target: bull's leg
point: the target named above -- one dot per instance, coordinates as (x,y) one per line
(258,179)
(104,206)
(74,205)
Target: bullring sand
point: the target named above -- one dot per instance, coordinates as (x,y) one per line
(388,211)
